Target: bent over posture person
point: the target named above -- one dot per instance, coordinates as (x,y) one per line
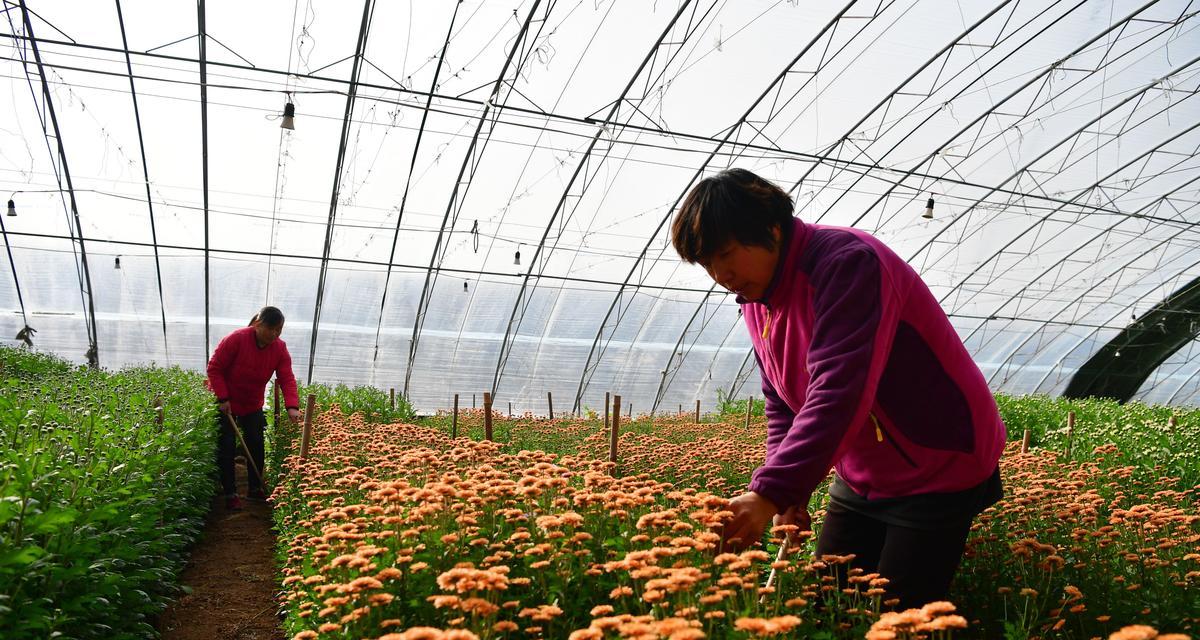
(863,373)
(238,374)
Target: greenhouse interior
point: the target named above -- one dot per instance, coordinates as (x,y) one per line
(506,402)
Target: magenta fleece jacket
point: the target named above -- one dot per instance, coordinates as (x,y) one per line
(863,372)
(239,371)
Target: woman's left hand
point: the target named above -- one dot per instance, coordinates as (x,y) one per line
(294,415)
(751,514)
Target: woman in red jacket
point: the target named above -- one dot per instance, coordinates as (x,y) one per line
(238,374)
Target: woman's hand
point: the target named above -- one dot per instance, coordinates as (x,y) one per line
(294,415)
(224,408)
(794,516)
(751,513)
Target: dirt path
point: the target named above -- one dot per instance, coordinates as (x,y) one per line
(232,577)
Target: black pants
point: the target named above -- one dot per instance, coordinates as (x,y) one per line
(253,425)
(919,564)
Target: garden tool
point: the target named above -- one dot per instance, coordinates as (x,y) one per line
(249,457)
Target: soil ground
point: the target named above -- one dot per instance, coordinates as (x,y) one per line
(232,577)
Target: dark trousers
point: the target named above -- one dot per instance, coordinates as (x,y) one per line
(253,425)
(919,564)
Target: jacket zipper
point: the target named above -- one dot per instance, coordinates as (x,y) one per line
(880,434)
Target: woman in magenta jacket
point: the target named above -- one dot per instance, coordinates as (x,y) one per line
(862,373)
(238,374)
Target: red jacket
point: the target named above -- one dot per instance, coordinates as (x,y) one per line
(239,371)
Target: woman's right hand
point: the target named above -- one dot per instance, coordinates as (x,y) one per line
(223,408)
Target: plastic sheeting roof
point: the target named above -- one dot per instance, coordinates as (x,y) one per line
(434,142)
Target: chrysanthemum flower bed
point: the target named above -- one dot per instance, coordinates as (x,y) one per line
(392,527)
(396,531)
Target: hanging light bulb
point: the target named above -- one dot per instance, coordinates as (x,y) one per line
(928,215)
(12,209)
(517,257)
(117,262)
(464,286)
(289,117)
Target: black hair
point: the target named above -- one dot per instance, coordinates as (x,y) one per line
(734,204)
(270,316)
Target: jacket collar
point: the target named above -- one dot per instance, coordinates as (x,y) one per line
(791,242)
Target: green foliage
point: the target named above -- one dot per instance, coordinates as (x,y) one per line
(727,406)
(1143,432)
(98,505)
(374,404)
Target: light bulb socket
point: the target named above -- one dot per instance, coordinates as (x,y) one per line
(928,210)
(289,117)
(12,209)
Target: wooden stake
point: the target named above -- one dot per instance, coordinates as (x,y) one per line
(158,412)
(616,429)
(487,416)
(275,388)
(1171,422)
(510,411)
(749,409)
(607,402)
(697,412)
(629,413)
(392,394)
(454,422)
(473,401)
(306,434)
(1025,442)
(550,403)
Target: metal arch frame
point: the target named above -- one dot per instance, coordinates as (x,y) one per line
(797,155)
(1184,385)
(1050,371)
(1028,111)
(990,111)
(137,118)
(891,96)
(516,317)
(777,82)
(749,366)
(86,279)
(1027,170)
(1083,193)
(1188,359)
(408,183)
(675,361)
(978,77)
(470,159)
(359,50)
(1018,347)
(13,265)
(1054,266)
(202,41)
(1191,288)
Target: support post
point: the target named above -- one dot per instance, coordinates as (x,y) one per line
(1025,442)
(392,395)
(550,403)
(306,434)
(749,410)
(158,412)
(275,406)
(697,412)
(454,420)
(616,429)
(510,410)
(607,403)
(487,416)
